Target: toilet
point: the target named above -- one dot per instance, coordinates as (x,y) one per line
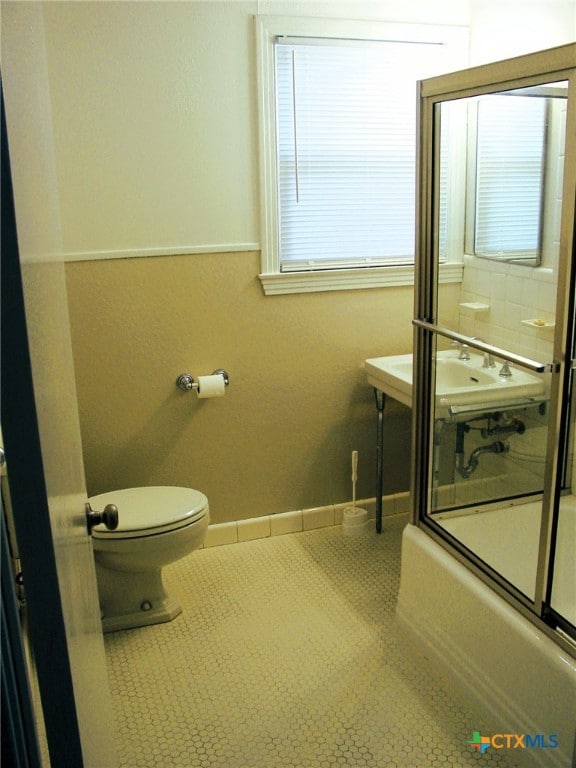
(528,451)
(157,526)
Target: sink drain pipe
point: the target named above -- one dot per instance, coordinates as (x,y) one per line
(465,470)
(513,426)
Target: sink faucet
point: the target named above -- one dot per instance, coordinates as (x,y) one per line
(463,353)
(488,360)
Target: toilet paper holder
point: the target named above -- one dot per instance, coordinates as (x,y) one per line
(186,381)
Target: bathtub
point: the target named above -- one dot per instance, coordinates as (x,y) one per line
(514,675)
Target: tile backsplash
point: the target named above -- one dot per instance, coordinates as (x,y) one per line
(512,294)
(515,293)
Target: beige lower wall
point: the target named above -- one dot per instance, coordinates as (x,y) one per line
(297,404)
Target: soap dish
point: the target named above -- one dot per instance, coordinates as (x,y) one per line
(537,323)
(475,306)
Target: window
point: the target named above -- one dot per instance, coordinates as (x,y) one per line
(510,153)
(345,158)
(338,136)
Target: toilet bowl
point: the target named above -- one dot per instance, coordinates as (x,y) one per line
(528,450)
(157,526)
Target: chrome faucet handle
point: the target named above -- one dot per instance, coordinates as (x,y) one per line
(463,354)
(505,371)
(488,359)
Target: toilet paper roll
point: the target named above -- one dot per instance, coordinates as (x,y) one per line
(211,386)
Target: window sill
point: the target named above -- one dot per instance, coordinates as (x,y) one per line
(277,283)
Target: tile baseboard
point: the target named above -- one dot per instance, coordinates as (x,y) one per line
(262,527)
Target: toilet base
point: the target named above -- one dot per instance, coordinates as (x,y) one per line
(130,599)
(142,618)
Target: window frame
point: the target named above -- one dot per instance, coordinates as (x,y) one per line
(546,256)
(268,28)
(530,258)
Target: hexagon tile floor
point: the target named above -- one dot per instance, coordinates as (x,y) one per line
(287,654)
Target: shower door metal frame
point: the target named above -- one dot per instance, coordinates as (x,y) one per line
(557,64)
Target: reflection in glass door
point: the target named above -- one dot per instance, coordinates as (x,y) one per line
(489,410)
(488,455)
(490,355)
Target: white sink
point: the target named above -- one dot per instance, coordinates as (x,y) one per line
(458,382)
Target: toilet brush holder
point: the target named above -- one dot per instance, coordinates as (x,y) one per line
(354,521)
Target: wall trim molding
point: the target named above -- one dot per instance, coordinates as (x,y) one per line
(279,524)
(278,283)
(133,253)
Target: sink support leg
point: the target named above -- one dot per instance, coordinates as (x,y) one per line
(380,403)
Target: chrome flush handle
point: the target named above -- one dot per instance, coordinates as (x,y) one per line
(109,517)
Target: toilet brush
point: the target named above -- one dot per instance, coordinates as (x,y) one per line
(355,519)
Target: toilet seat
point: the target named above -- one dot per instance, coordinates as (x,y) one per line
(150,510)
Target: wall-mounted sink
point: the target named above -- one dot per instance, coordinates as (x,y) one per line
(458,382)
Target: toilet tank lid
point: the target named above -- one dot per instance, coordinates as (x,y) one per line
(149,507)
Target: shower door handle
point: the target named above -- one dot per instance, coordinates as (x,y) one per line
(526,362)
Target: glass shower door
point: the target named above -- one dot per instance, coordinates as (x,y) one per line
(560,601)
(491,452)
(488,455)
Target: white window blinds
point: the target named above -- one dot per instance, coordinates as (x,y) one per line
(509,174)
(346,125)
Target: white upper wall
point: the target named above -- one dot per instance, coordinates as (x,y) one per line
(155,109)
(500,29)
(414,11)
(29,123)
